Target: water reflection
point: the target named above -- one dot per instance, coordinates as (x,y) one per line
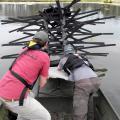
(105,9)
(20,9)
(29,9)
(111,80)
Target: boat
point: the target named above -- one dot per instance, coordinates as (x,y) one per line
(57,97)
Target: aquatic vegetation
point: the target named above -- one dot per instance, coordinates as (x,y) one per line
(107,1)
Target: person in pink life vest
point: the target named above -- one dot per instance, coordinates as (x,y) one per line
(17,82)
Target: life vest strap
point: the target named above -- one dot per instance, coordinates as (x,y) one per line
(27,86)
(22,96)
(21,79)
(74,62)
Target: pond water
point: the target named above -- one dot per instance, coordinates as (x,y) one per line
(111,82)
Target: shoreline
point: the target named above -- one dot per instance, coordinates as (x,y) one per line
(31,3)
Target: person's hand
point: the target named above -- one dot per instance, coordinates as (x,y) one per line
(32,94)
(58,68)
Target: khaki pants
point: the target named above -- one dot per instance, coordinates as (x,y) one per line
(83,88)
(31,109)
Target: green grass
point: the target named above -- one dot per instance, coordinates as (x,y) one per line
(92,0)
(106,1)
(47,0)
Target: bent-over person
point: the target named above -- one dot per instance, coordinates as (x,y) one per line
(86,81)
(16,84)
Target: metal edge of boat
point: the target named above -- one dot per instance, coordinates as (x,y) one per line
(104,109)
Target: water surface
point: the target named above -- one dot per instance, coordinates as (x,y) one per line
(111,82)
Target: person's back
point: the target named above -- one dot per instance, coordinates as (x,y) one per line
(79,73)
(29,65)
(16,84)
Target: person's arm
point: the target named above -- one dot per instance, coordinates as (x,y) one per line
(44,72)
(59,67)
(43,81)
(61,64)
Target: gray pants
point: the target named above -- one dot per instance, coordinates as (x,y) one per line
(83,88)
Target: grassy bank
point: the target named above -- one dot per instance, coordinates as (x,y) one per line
(52,0)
